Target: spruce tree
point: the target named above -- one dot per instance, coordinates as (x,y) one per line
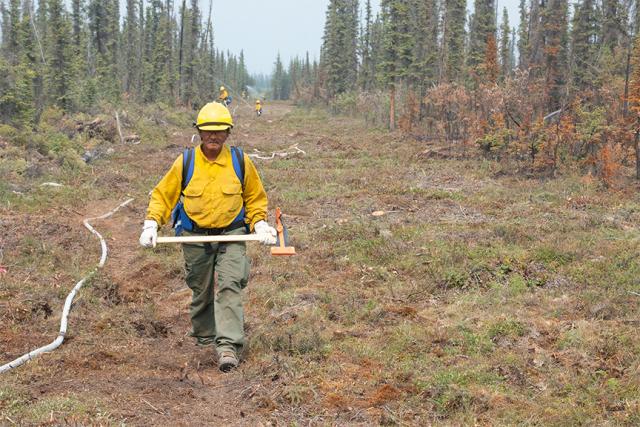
(339,49)
(634,100)
(155,54)
(584,45)
(277,79)
(59,76)
(130,48)
(634,22)
(555,52)
(350,58)
(193,59)
(490,66)
(295,74)
(397,49)
(307,74)
(523,36)
(512,49)
(535,45)
(12,32)
(17,70)
(42,26)
(243,75)
(104,25)
(181,47)
(159,73)
(84,92)
(483,25)
(204,74)
(29,69)
(453,35)
(505,43)
(367,72)
(423,70)
(188,58)
(8,96)
(612,24)
(6,23)
(77,19)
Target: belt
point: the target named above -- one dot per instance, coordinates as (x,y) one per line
(217,231)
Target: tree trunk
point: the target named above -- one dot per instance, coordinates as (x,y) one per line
(636,146)
(392,107)
(180,54)
(554,165)
(625,102)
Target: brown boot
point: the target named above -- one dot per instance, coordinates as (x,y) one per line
(227,361)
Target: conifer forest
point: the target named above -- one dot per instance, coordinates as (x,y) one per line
(556,88)
(454,189)
(76,57)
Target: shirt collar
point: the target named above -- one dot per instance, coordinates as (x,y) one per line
(222,159)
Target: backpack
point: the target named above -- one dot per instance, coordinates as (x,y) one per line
(181,220)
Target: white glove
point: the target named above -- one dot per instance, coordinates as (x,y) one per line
(149,234)
(266,232)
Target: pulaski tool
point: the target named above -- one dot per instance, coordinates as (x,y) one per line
(282,245)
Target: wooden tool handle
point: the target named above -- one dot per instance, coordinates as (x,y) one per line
(210,239)
(279,228)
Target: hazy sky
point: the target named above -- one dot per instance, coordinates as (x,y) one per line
(265,27)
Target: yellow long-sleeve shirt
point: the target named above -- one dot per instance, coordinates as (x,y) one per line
(214,195)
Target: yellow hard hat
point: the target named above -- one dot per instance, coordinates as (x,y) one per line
(214,116)
(257,101)
(221,87)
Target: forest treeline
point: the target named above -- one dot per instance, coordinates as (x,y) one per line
(78,54)
(560,89)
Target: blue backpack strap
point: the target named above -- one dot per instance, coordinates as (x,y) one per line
(238,166)
(188,162)
(238,163)
(181,220)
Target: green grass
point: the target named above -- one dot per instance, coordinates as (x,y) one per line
(507,328)
(21,407)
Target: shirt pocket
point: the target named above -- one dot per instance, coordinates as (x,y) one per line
(232,197)
(193,201)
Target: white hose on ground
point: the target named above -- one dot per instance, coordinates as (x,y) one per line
(67,303)
(257,155)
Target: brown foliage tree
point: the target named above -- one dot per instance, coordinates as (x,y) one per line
(491,68)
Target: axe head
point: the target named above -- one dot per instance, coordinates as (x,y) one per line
(283,238)
(282,246)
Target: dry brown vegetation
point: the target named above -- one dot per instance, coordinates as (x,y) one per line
(431,286)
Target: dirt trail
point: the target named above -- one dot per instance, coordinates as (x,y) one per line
(133,356)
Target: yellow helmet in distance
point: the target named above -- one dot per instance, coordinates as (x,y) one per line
(221,87)
(214,116)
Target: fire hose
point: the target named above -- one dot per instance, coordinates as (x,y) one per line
(69,300)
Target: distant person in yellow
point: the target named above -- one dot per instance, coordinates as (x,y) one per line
(258,108)
(224,97)
(213,189)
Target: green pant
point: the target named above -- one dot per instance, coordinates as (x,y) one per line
(220,315)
